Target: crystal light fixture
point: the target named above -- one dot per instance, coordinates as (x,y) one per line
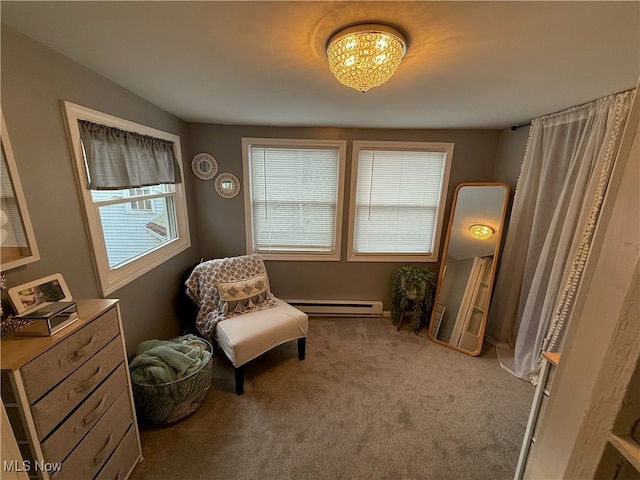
(481,232)
(365,56)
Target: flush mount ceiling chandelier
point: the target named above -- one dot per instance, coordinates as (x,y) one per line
(365,56)
(481,232)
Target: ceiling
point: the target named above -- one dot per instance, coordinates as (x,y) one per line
(468,65)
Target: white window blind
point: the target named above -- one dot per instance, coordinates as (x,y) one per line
(294,198)
(398,198)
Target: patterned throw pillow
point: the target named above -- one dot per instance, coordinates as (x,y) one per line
(244,295)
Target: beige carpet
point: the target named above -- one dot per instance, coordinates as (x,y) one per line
(367,403)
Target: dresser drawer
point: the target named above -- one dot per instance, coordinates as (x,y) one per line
(123,459)
(48,369)
(88,457)
(64,439)
(52,408)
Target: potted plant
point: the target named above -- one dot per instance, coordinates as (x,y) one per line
(412,284)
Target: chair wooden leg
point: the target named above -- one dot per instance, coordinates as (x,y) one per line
(302,346)
(239,374)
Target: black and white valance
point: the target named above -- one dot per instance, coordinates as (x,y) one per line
(118,159)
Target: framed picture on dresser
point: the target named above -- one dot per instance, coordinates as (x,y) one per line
(33,294)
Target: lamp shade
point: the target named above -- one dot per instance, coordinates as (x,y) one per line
(481,232)
(365,56)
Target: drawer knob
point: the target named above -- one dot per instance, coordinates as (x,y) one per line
(79,353)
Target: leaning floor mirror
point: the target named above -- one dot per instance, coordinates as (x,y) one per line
(468,268)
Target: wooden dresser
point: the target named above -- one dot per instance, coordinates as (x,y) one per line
(68,398)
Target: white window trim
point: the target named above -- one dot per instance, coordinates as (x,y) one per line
(390,145)
(109,279)
(248,210)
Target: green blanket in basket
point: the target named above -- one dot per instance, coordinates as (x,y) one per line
(163,361)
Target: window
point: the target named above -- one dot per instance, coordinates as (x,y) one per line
(140,206)
(293,198)
(397,202)
(135,203)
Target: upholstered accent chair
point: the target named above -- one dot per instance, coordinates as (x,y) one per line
(238,312)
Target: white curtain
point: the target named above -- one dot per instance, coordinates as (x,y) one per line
(568,160)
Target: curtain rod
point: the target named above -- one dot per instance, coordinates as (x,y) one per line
(515,127)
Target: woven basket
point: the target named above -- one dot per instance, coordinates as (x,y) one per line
(170,402)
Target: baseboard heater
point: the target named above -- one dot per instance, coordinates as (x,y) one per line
(345,308)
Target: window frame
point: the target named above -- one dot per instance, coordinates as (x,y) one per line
(112,279)
(341,145)
(358,145)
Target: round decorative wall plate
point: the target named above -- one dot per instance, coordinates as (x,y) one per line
(204,166)
(227,185)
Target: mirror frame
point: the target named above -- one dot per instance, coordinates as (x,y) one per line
(496,256)
(235,185)
(197,169)
(12,170)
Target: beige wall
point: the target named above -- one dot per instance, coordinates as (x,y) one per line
(34,81)
(221,230)
(511,147)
